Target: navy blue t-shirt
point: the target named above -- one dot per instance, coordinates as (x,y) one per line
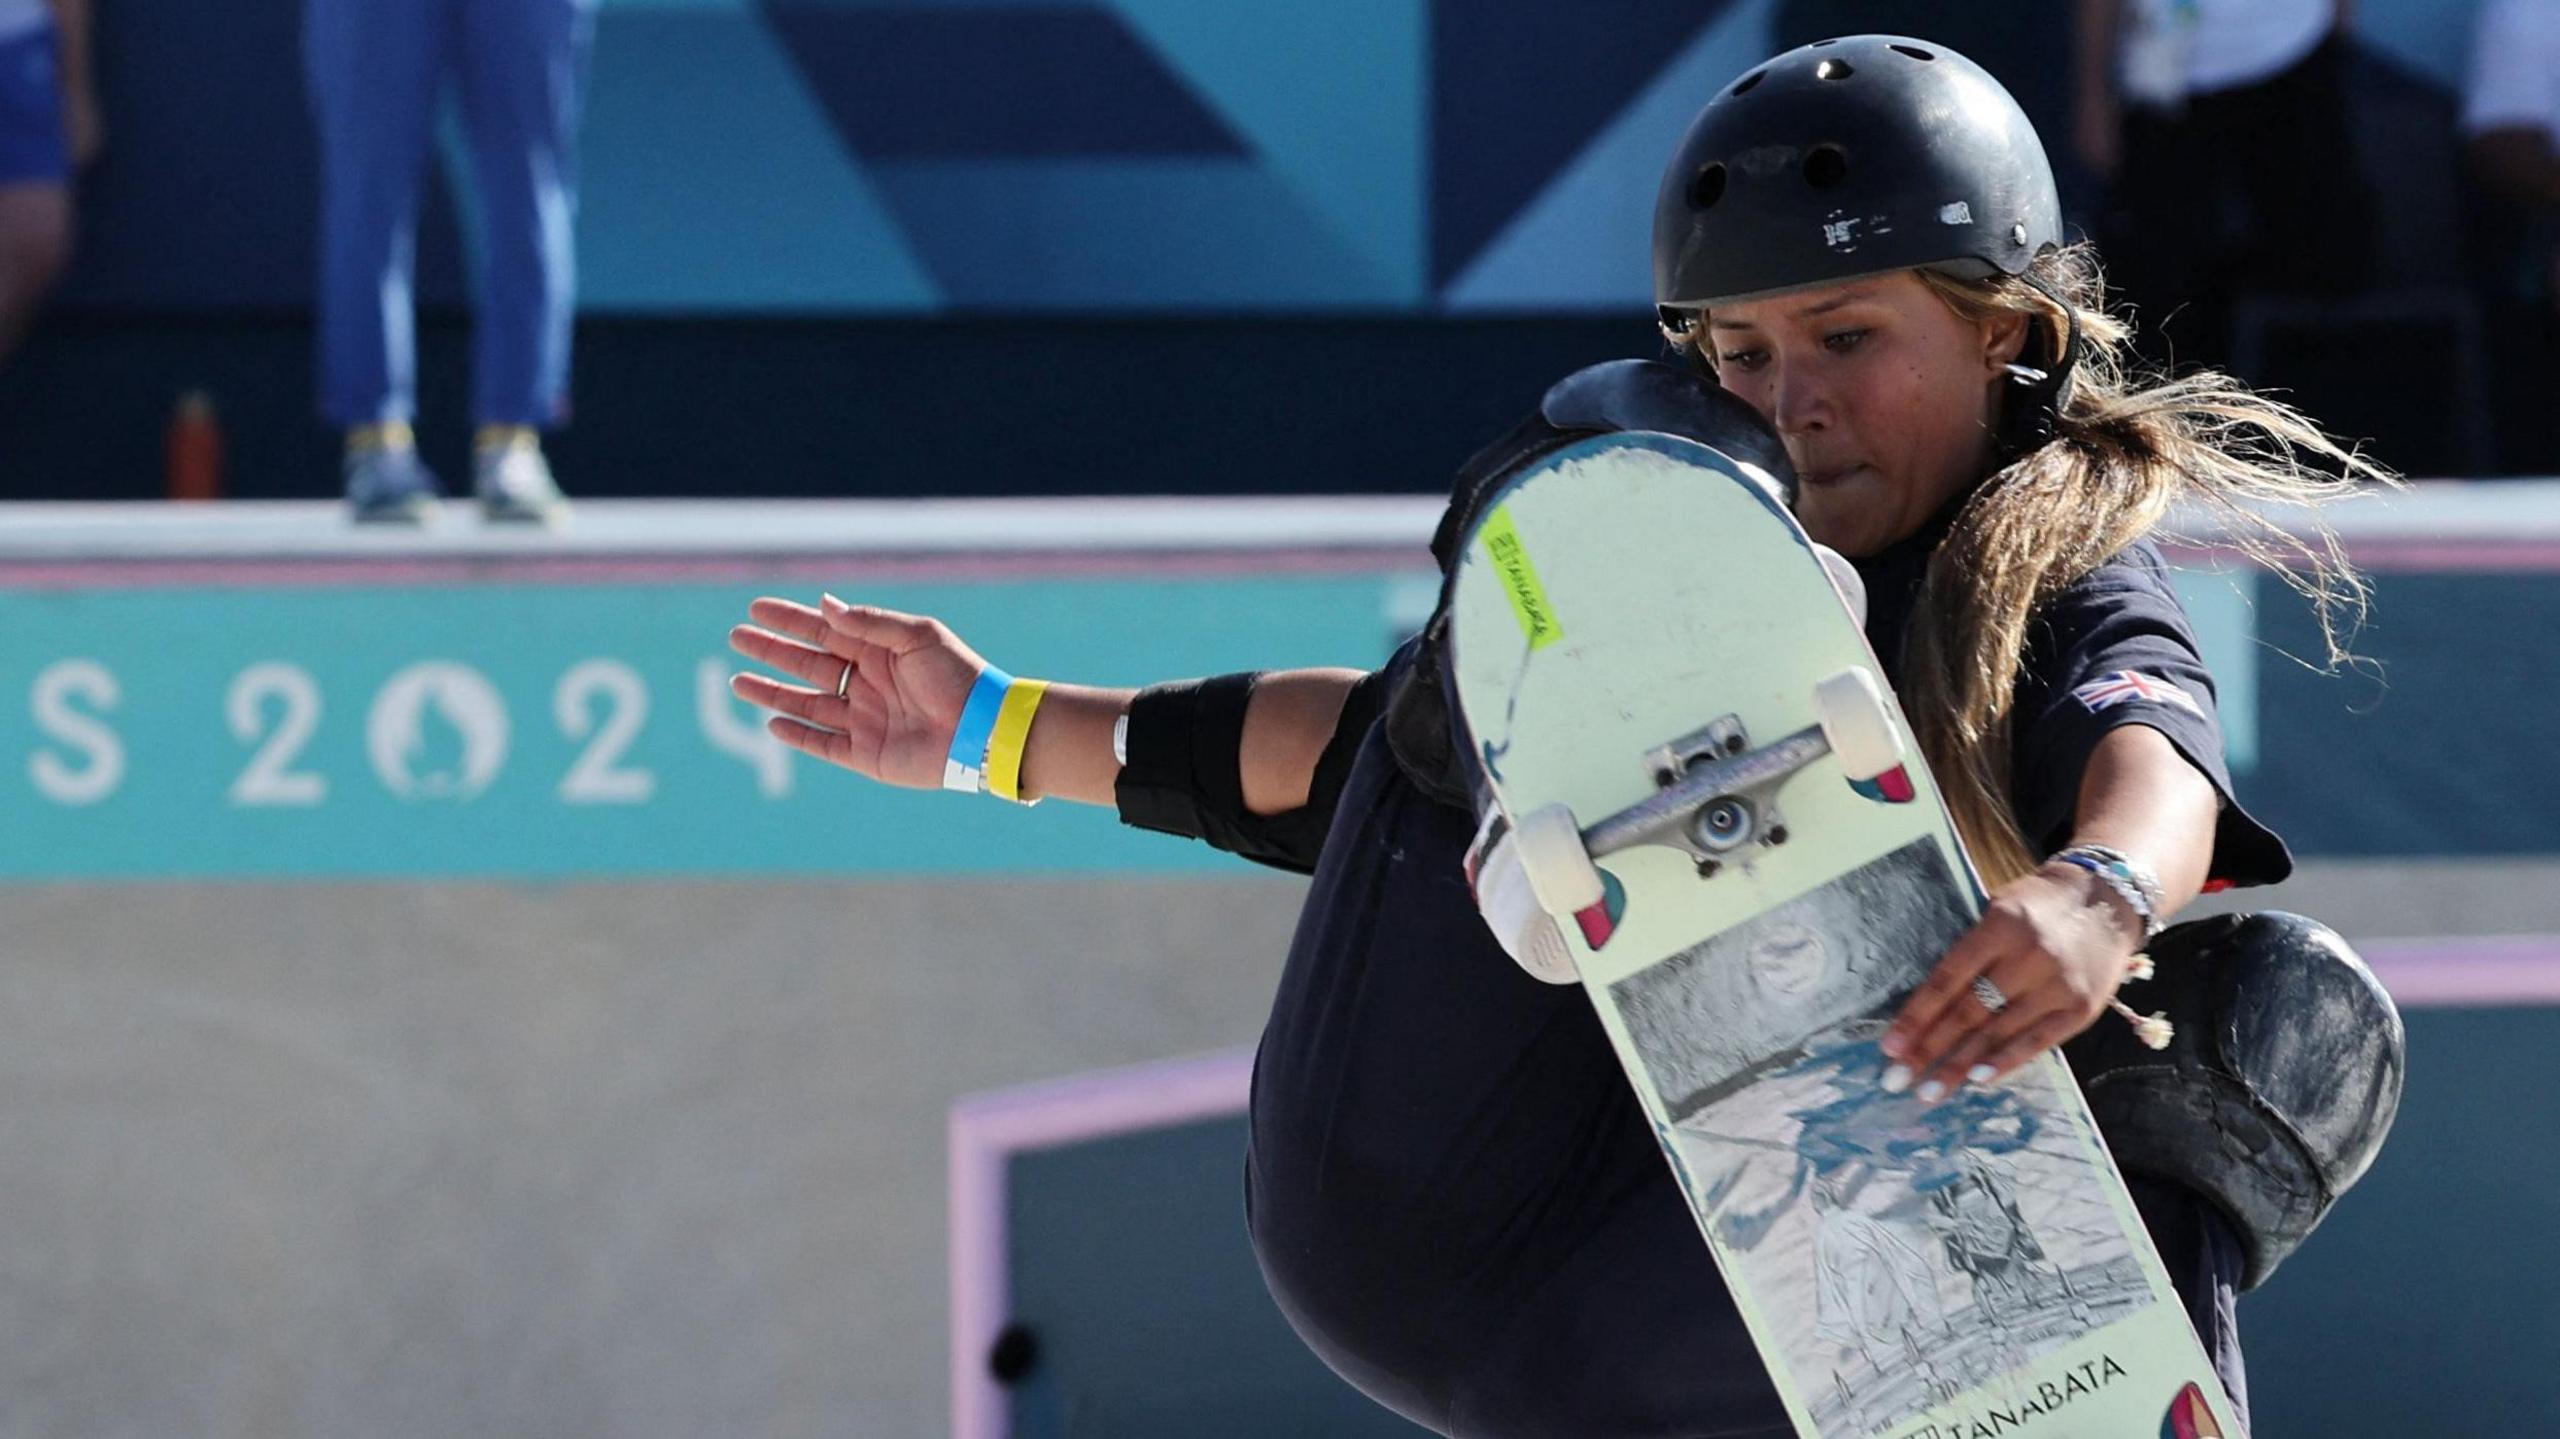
(2113,648)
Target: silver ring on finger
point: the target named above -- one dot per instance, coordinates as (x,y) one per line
(844,682)
(1988,995)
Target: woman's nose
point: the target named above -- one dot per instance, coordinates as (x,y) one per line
(1798,402)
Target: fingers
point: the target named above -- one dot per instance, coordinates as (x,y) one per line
(1940,1057)
(893,630)
(2046,1033)
(833,623)
(1946,993)
(789,617)
(823,669)
(857,747)
(812,644)
(1968,1058)
(859,710)
(832,746)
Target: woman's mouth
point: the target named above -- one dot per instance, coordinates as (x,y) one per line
(1833,476)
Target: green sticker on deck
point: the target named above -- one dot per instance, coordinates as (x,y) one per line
(1520,580)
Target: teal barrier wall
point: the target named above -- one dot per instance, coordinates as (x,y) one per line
(1147,1313)
(552,730)
(583,728)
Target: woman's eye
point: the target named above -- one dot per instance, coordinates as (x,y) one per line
(1743,359)
(1843,341)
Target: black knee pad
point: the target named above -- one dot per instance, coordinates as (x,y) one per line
(2278,1088)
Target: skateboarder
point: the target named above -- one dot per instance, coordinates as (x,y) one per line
(1451,1188)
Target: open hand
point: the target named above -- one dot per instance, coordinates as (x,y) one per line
(883,690)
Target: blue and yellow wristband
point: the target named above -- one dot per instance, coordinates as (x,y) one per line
(995,727)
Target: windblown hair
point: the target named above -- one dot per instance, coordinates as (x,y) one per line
(2129,449)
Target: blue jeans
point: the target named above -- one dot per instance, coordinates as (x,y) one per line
(32,148)
(377,69)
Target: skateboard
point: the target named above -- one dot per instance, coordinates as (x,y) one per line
(1716,796)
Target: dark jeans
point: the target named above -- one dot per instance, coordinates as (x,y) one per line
(1455,1198)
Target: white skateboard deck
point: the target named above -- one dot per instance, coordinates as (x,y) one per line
(1952,1270)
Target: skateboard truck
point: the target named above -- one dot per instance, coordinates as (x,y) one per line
(1714,795)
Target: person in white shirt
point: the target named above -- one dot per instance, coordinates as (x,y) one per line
(48,129)
(2219,129)
(2511,155)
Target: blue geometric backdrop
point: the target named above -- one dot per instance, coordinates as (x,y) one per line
(978,156)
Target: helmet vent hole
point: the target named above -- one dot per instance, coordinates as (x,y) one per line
(1825,167)
(1708,188)
(1748,81)
(1834,70)
(1914,51)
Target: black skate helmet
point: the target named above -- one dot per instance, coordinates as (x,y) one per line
(1854,157)
(1847,158)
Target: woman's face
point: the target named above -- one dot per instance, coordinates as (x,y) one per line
(1885,398)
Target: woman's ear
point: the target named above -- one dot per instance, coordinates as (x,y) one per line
(2004,339)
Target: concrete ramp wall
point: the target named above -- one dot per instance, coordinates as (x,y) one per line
(401,1159)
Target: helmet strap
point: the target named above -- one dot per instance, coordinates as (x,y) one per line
(2031,406)
(1676,326)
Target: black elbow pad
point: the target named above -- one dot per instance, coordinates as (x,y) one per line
(1182,771)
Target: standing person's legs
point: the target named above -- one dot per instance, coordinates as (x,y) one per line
(374,68)
(35,187)
(523,73)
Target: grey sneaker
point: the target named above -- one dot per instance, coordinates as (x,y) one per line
(390,485)
(515,486)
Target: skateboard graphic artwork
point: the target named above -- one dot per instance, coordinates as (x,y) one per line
(1715,795)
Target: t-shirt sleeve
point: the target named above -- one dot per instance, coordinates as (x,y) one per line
(2514,82)
(2115,649)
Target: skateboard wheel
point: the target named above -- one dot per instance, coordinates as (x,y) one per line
(1857,724)
(1844,578)
(1560,870)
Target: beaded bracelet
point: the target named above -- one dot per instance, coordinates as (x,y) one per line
(2135,885)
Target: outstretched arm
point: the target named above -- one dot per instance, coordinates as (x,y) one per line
(1287,724)
(2056,944)
(905,678)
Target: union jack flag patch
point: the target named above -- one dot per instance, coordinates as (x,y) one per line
(2125,686)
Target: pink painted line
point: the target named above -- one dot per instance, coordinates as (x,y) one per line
(2487,971)
(2410,556)
(641,569)
(2463,557)
(987,1130)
